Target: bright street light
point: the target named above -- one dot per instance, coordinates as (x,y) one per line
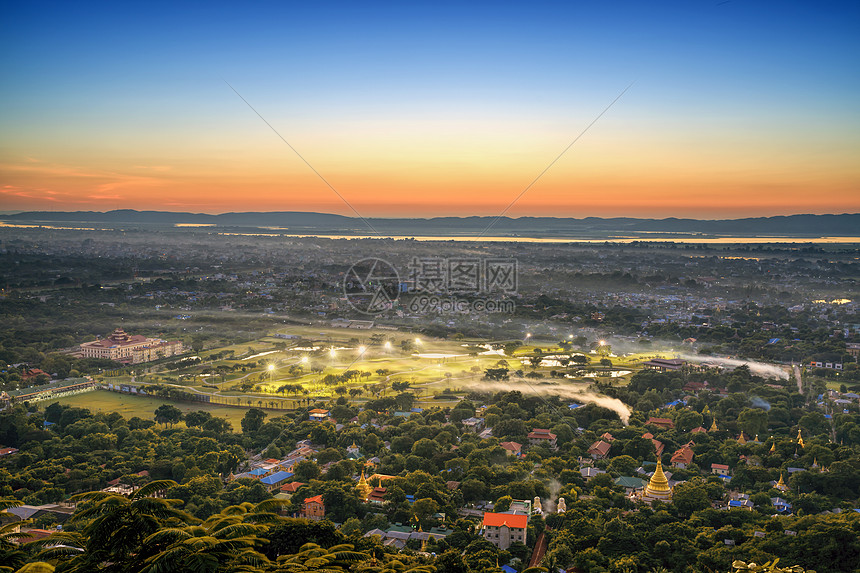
(362,349)
(271,367)
(388,345)
(305,359)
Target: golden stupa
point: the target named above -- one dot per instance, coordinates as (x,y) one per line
(799,439)
(714,427)
(773,447)
(363,487)
(658,487)
(780,485)
(741,439)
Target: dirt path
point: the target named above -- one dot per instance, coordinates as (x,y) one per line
(798,378)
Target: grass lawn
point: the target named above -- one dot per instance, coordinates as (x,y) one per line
(144,407)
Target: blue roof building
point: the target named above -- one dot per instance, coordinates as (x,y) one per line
(276,479)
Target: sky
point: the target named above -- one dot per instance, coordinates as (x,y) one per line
(731,109)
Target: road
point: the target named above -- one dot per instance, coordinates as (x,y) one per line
(798,378)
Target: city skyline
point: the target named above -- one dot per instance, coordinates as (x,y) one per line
(433,109)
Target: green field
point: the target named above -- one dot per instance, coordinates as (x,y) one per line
(144,407)
(258,368)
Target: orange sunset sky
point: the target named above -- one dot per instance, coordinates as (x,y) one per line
(432,109)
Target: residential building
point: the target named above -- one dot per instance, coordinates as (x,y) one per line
(512,448)
(313,508)
(539,436)
(720,469)
(682,457)
(504,529)
(599,450)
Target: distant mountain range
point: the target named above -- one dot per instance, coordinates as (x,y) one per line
(305,222)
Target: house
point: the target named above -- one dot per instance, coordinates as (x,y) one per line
(662,423)
(682,457)
(290,488)
(741,504)
(658,445)
(318,415)
(504,529)
(599,450)
(31,373)
(512,448)
(630,484)
(473,424)
(720,469)
(6,451)
(313,508)
(276,480)
(780,504)
(588,473)
(539,436)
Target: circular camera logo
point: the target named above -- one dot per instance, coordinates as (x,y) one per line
(371,286)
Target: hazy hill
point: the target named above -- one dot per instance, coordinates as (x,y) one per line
(793,225)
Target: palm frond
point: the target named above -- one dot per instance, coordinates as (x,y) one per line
(153,487)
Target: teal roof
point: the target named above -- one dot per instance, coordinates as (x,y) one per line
(58,385)
(633,482)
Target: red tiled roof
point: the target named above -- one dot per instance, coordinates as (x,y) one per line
(315,499)
(540,434)
(662,422)
(518,521)
(719,467)
(599,447)
(512,446)
(683,455)
(291,487)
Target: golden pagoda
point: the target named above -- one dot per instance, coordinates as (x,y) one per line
(363,487)
(741,439)
(773,447)
(658,487)
(714,427)
(780,485)
(799,439)
(814,462)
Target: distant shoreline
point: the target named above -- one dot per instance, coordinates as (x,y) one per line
(793,229)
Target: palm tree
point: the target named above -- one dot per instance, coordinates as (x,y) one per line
(115,529)
(312,557)
(206,548)
(10,554)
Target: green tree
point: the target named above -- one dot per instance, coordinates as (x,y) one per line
(252,420)
(167,414)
